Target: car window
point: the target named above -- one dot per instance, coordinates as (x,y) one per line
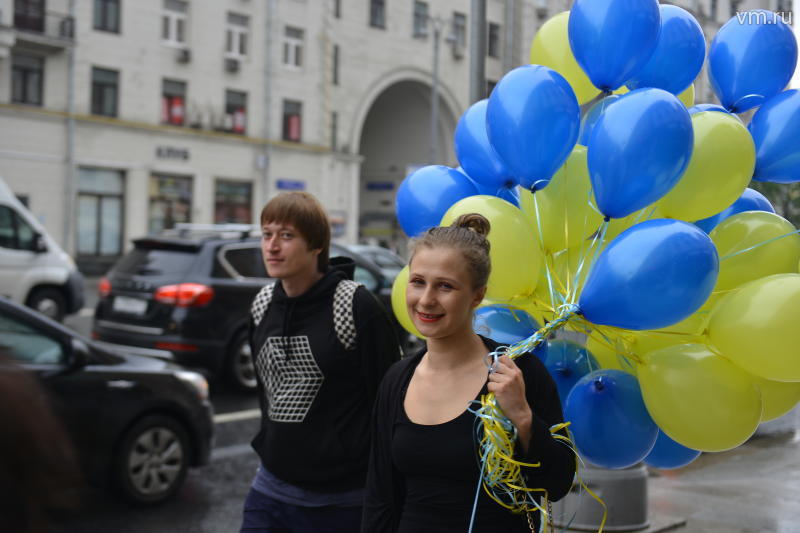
(152,262)
(26,344)
(246,262)
(386,261)
(364,276)
(25,234)
(8,238)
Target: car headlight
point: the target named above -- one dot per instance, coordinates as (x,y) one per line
(196,381)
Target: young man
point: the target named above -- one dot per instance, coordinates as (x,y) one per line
(321,344)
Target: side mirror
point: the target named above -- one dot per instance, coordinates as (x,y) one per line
(79,355)
(39,244)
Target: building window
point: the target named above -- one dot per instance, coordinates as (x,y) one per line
(420,19)
(490,85)
(236,35)
(233,202)
(734,4)
(493,40)
(100,201)
(170,202)
(334,130)
(173,102)
(29,15)
(293,47)
(27,79)
(337,8)
(377,13)
(105,91)
(712,10)
(292,119)
(106,15)
(335,74)
(459,29)
(174,21)
(235,112)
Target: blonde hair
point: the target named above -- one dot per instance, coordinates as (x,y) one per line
(467,235)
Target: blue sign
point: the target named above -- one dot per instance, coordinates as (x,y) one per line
(380,185)
(291,185)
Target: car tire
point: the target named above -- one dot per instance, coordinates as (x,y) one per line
(152,459)
(48,301)
(239,364)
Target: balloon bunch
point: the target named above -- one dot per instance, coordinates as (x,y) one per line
(619,209)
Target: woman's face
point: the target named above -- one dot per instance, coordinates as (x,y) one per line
(440,297)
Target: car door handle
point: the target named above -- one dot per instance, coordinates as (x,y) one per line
(120,384)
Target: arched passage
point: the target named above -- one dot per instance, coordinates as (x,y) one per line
(395,139)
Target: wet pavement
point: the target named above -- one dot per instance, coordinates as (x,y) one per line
(753,489)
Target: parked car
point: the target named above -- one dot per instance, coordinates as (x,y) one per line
(185,296)
(389,262)
(137,423)
(34,270)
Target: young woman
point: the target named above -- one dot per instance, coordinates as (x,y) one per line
(424,468)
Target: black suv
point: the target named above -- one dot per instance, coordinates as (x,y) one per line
(136,422)
(185,296)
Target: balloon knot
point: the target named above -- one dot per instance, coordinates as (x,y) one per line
(606,218)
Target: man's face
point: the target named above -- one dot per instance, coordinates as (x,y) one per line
(286,253)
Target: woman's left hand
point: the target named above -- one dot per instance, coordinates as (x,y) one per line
(508,386)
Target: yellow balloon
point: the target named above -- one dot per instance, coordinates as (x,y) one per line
(611,353)
(699,399)
(758,327)
(688,331)
(516,258)
(750,231)
(565,215)
(722,163)
(687,96)
(618,225)
(551,48)
(779,397)
(399,303)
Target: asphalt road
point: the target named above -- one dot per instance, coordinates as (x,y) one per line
(210,500)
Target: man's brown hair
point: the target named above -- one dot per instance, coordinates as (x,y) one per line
(303,211)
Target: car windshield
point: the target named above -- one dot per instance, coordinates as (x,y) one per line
(155,262)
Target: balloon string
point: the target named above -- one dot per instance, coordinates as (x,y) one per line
(768,241)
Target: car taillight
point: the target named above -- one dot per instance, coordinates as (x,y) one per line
(104,287)
(184,294)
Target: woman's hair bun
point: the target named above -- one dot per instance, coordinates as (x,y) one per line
(474,221)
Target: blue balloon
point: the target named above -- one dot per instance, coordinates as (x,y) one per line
(652,275)
(506,326)
(638,150)
(567,362)
(750,200)
(751,59)
(592,116)
(668,454)
(776,129)
(679,53)
(509,195)
(477,157)
(610,423)
(707,107)
(613,39)
(533,120)
(426,194)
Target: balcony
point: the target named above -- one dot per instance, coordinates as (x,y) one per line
(40,31)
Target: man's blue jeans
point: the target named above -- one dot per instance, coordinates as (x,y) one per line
(263,514)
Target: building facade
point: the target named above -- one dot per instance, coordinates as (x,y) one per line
(121,118)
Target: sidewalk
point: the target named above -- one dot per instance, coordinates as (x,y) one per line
(752,489)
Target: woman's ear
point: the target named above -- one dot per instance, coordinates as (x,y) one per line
(479,294)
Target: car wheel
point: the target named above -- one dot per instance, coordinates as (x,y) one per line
(49,302)
(240,365)
(152,459)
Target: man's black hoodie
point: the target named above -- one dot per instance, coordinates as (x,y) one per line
(316,396)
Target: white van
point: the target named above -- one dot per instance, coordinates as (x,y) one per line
(34,270)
